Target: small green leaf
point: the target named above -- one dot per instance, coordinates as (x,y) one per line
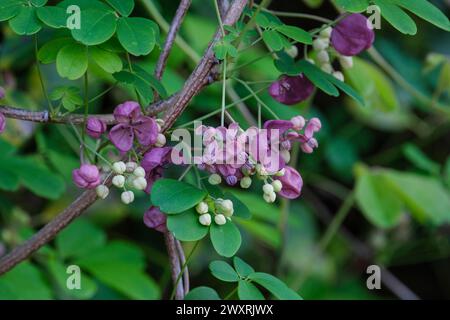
(137,83)
(108,61)
(273,40)
(267,20)
(248,291)
(9,181)
(420,159)
(69,95)
(202,293)
(26,22)
(9,9)
(97,27)
(226,239)
(223,271)
(345,88)
(396,17)
(353,5)
(54,17)
(173,196)
(296,33)
(220,50)
(426,11)
(48,52)
(72,61)
(275,286)
(318,77)
(124,7)
(240,209)
(186,227)
(137,35)
(242,268)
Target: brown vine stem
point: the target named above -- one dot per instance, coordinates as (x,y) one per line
(198,79)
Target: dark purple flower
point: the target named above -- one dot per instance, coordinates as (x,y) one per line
(87,176)
(132,123)
(155,219)
(352,35)
(153,163)
(2,122)
(292,183)
(291,90)
(95,127)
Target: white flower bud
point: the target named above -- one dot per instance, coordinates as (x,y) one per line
(338,75)
(131,165)
(160,122)
(346,62)
(286,155)
(202,208)
(227,205)
(214,179)
(267,189)
(140,183)
(220,219)
(320,44)
(292,51)
(326,33)
(119,181)
(323,57)
(139,172)
(327,68)
(160,140)
(281,172)
(277,185)
(205,219)
(102,191)
(246,182)
(127,197)
(119,167)
(270,197)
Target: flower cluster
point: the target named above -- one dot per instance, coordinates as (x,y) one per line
(219,208)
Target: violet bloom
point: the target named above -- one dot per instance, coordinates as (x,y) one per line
(155,219)
(352,35)
(95,127)
(2,122)
(291,90)
(132,123)
(292,183)
(153,163)
(87,176)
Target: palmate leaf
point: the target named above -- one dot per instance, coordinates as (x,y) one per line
(97,26)
(49,51)
(186,227)
(25,22)
(137,35)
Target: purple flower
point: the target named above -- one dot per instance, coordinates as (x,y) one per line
(153,163)
(2,122)
(291,90)
(352,35)
(132,123)
(87,176)
(292,183)
(95,127)
(155,219)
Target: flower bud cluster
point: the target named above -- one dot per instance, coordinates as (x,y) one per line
(219,210)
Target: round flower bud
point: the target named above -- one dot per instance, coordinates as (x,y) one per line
(323,57)
(139,172)
(268,188)
(291,90)
(202,208)
(227,205)
(277,185)
(160,140)
(102,191)
(270,197)
(246,182)
(298,123)
(320,44)
(220,219)
(127,197)
(119,167)
(160,122)
(95,127)
(140,183)
(338,75)
(118,181)
(87,176)
(131,166)
(346,62)
(327,68)
(292,51)
(326,33)
(214,179)
(205,219)
(286,155)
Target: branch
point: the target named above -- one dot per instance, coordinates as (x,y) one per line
(194,84)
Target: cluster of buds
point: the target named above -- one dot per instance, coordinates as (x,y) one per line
(219,208)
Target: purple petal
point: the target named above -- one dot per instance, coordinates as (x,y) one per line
(127,111)
(155,157)
(291,90)
(155,219)
(95,127)
(292,183)
(146,130)
(87,176)
(122,137)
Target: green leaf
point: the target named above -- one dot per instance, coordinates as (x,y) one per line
(186,227)
(79,238)
(26,22)
(223,271)
(97,26)
(248,291)
(9,181)
(220,50)
(240,209)
(108,61)
(345,88)
(48,52)
(72,61)
(273,40)
(396,17)
(420,159)
(353,5)
(377,201)
(296,33)
(137,35)
(54,17)
(69,95)
(137,83)
(267,20)
(275,286)
(124,7)
(317,77)
(173,196)
(86,4)
(426,11)
(202,293)
(151,81)
(286,65)
(226,239)
(9,9)
(242,268)
(38,3)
